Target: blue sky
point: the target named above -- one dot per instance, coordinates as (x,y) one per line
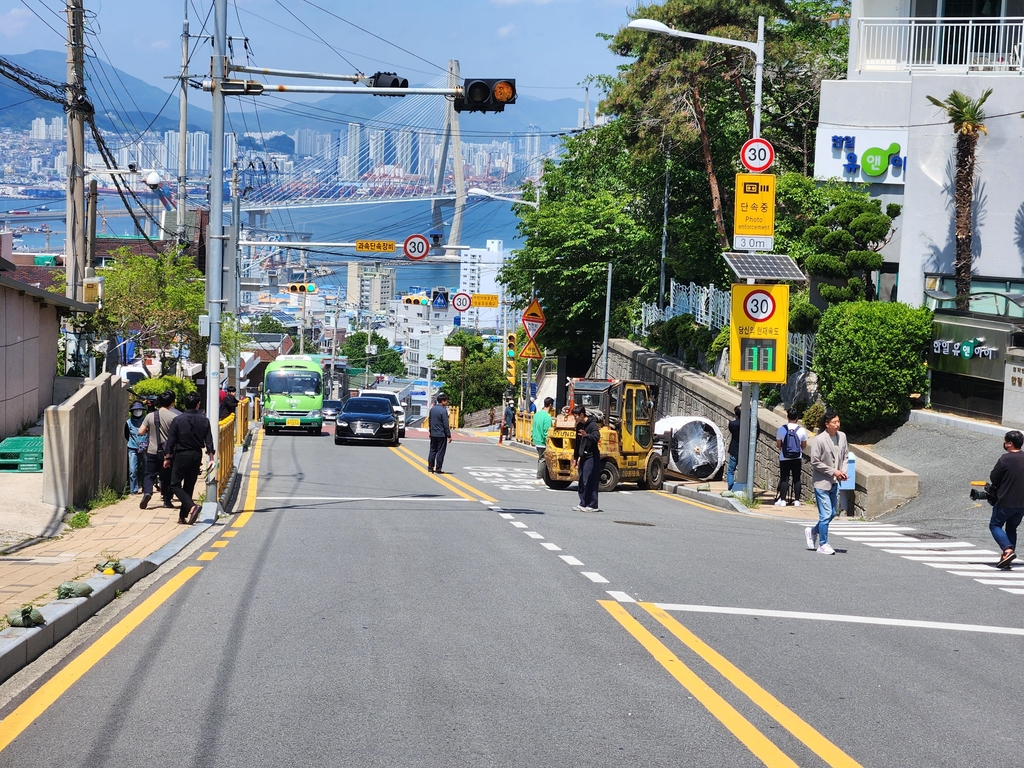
(549,46)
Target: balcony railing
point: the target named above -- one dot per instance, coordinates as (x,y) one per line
(937,44)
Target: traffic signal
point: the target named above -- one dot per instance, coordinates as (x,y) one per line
(418,300)
(388,80)
(301,287)
(510,358)
(486,95)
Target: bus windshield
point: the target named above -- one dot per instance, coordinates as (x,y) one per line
(285,382)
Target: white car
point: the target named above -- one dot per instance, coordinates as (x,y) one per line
(396,406)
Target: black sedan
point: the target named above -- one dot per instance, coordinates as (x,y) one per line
(366,418)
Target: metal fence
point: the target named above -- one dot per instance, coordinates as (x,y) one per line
(707,304)
(801,349)
(902,44)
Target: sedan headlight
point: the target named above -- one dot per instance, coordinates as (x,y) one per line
(388,425)
(342,423)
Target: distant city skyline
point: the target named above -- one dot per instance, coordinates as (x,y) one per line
(549,46)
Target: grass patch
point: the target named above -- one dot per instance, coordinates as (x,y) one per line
(750,502)
(104,498)
(79,520)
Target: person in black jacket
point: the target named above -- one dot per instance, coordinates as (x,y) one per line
(440,434)
(586,457)
(1007,479)
(189,434)
(228,403)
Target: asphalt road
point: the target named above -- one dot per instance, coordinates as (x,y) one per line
(369,614)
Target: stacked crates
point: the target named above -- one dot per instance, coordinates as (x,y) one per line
(21,454)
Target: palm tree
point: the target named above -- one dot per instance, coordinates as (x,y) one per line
(968,119)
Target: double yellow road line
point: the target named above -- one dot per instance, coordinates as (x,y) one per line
(759,744)
(456,486)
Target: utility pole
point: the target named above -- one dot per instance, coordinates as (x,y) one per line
(334,352)
(94,197)
(183,133)
(664,238)
(607,323)
(74,244)
(215,247)
(302,310)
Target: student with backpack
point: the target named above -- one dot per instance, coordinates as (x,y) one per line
(791,440)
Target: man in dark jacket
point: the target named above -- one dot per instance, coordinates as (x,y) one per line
(228,403)
(440,434)
(189,434)
(1007,478)
(586,457)
(734,448)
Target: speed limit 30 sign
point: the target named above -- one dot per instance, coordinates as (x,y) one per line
(462,301)
(759,306)
(416,247)
(757,155)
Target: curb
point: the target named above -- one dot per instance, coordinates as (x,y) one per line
(20,646)
(705,497)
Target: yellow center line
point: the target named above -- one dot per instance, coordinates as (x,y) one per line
(254,476)
(449,478)
(219,544)
(22,717)
(457,491)
(684,500)
(207,556)
(739,726)
(788,719)
(229,534)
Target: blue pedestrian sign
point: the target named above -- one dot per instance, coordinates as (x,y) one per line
(440,300)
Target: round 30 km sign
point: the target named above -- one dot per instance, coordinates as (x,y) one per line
(416,247)
(462,301)
(757,155)
(759,306)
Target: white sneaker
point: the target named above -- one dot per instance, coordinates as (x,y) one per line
(811,535)
(579,508)
(780,503)
(590,509)
(826,549)
(797,503)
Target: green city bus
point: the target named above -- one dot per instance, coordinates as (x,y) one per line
(293,394)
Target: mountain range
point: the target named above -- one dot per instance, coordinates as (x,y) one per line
(132,106)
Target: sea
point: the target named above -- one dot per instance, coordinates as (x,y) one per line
(484,220)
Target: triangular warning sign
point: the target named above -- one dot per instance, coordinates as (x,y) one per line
(532,327)
(534,312)
(531,351)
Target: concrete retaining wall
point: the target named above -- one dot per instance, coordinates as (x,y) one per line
(83,443)
(29,329)
(881,485)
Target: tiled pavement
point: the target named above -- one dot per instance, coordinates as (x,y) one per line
(122,530)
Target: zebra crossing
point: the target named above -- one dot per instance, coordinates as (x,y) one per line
(958,558)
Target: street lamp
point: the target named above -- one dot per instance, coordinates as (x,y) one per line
(748,425)
(650,25)
(478,192)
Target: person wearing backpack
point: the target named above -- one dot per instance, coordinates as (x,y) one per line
(791,440)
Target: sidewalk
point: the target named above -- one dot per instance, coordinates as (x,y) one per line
(122,530)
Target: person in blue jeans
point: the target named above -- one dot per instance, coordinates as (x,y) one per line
(131,435)
(1007,478)
(734,448)
(829,452)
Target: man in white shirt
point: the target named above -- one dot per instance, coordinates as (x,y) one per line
(792,441)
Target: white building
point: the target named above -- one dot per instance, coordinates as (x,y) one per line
(478,273)
(38,129)
(55,130)
(370,287)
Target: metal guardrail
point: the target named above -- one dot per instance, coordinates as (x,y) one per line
(226,451)
(242,420)
(905,44)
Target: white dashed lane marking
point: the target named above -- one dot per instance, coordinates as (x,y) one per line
(597,578)
(552,547)
(570,560)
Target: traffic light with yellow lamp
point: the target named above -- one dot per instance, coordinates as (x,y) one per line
(510,358)
(486,95)
(304,288)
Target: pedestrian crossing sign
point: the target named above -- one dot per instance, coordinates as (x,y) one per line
(440,300)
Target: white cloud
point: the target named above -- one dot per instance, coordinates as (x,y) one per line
(14,22)
(506,30)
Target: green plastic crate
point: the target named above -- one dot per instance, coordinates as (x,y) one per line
(21,454)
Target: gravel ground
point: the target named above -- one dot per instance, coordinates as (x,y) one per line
(947,459)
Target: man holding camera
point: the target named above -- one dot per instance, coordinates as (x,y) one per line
(1007,480)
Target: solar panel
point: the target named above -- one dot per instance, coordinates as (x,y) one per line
(764,266)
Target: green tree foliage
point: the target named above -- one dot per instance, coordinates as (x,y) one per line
(485,381)
(835,231)
(386,360)
(803,316)
(869,358)
(153,301)
(153,387)
(682,338)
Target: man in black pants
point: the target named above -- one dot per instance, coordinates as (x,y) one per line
(189,434)
(586,457)
(157,425)
(440,434)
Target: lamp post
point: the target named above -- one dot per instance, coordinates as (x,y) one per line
(748,424)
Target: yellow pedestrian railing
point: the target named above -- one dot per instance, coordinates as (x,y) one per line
(225,451)
(241,421)
(453,417)
(524,427)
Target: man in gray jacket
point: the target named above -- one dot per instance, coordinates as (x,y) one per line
(440,434)
(829,452)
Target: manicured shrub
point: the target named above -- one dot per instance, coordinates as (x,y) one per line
(869,358)
(153,387)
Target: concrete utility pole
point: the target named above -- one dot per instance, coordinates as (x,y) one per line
(74,244)
(334,352)
(183,133)
(215,246)
(94,198)
(302,310)
(607,323)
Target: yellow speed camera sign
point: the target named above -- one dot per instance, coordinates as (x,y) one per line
(759,333)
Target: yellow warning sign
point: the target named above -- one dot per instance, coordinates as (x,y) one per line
(375,246)
(534,312)
(531,351)
(754,212)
